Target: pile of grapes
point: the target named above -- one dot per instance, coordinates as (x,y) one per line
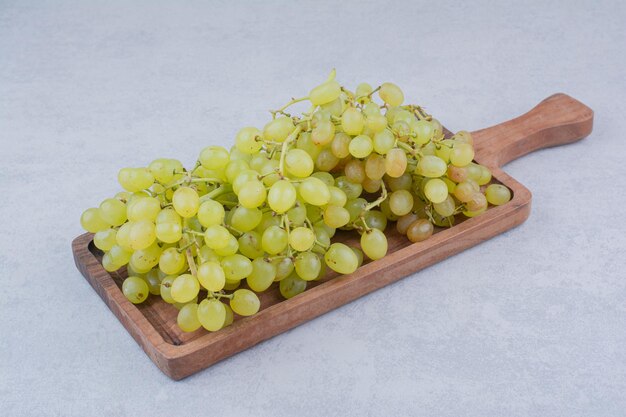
(267,210)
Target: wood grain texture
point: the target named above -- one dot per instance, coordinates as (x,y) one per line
(557,120)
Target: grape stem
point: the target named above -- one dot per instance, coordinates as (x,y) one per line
(283,151)
(220,295)
(282,109)
(222,189)
(375,203)
(185,247)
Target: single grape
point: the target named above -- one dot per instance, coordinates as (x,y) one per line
(245,219)
(135,290)
(391,94)
(172,261)
(301,239)
(419,230)
(403,182)
(250,244)
(274,240)
(211,213)
(216,236)
(211,314)
(214,157)
(464,136)
(340,258)
(376,123)
(465,190)
(113,211)
(405,221)
(461,154)
(187,318)
(314,191)
(376,220)
(292,286)
(436,190)
(325,93)
(340,145)
(164,170)
(108,264)
(184,288)
(252,194)
(234,168)
(383,141)
(485,175)
(323,133)
(105,239)
(497,194)
(92,221)
(355,171)
(352,121)
(248,140)
(211,276)
(335,216)
(262,275)
(350,189)
(375,166)
(401,202)
(284,267)
(444,149)
(371,186)
(245,302)
(186,202)
(477,202)
(142,234)
(299,163)
(282,196)
(457,174)
(278,129)
(374,244)
(326,161)
(395,162)
(166,287)
(431,166)
(361,146)
(135,179)
(147,208)
(119,255)
(169,232)
(153,279)
(308,266)
(446,208)
(236,267)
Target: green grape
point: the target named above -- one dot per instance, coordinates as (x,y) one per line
(403,182)
(359,255)
(337,196)
(371,186)
(257,161)
(335,107)
(179,306)
(211,213)
(269,171)
(376,123)
(444,149)
(436,190)
(108,263)
(340,258)
(326,161)
(113,211)
(485,175)
(228,320)
(172,261)
(299,163)
(335,216)
(135,290)
(236,154)
(391,94)
(169,232)
(187,318)
(248,140)
(168,215)
(305,143)
(245,302)
(474,172)
(308,266)
(278,129)
(216,236)
(446,207)
(374,244)
(214,157)
(236,267)
(362,93)
(376,220)
(166,287)
(144,260)
(243,178)
(234,168)
(153,279)
(252,194)
(146,208)
(350,189)
(282,196)
(395,162)
(314,191)
(135,179)
(322,240)
(105,239)
(431,166)
(284,267)
(325,93)
(274,240)
(323,133)
(211,314)
(375,167)
(497,194)
(405,221)
(401,130)
(423,131)
(330,231)
(292,286)
(207,254)
(461,154)
(352,121)
(186,202)
(361,146)
(262,275)
(231,248)
(355,208)
(211,276)
(297,214)
(463,136)
(468,213)
(165,170)
(92,221)
(326,177)
(301,239)
(355,171)
(477,202)
(419,230)
(245,219)
(386,210)
(250,244)
(340,145)
(313,213)
(184,288)
(142,234)
(401,202)
(383,141)
(457,174)
(268,219)
(119,255)
(464,191)
(232,285)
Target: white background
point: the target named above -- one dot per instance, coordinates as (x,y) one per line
(529,323)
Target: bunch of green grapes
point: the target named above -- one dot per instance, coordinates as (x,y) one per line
(210,238)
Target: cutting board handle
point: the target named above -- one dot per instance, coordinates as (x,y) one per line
(557,120)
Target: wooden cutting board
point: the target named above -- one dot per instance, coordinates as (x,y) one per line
(557,120)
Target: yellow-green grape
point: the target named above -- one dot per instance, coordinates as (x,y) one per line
(298,163)
(297,214)
(250,244)
(463,136)
(291,286)
(457,174)
(214,157)
(401,202)
(245,219)
(336,217)
(165,170)
(119,255)
(376,220)
(362,93)
(282,196)
(401,130)
(350,189)
(337,196)
(234,168)
(405,221)
(497,194)
(340,258)
(257,161)
(231,247)
(325,93)
(323,133)
(92,221)
(361,146)
(465,190)
(431,166)
(355,208)
(422,131)
(284,267)
(245,302)
(372,186)
(451,184)
(391,94)
(172,261)
(135,290)
(477,202)
(314,191)
(105,239)
(252,194)
(355,171)
(305,143)
(376,123)
(166,287)
(468,213)
(419,230)
(228,320)
(207,254)
(308,266)
(461,154)
(446,207)
(135,179)
(146,208)
(169,232)
(352,121)
(340,146)
(168,215)
(485,176)
(113,211)
(274,240)
(211,213)
(269,171)
(395,162)
(184,288)
(243,178)
(142,234)
(108,264)
(375,167)
(186,202)
(153,279)
(211,314)
(384,141)
(236,267)
(301,239)
(187,318)
(211,276)
(262,275)
(278,129)
(444,149)
(326,161)
(436,190)
(248,140)
(216,236)
(374,244)
(474,172)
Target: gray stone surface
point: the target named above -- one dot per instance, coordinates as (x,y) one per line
(529,323)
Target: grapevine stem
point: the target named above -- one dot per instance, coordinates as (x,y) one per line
(293,101)
(383,197)
(220,295)
(283,151)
